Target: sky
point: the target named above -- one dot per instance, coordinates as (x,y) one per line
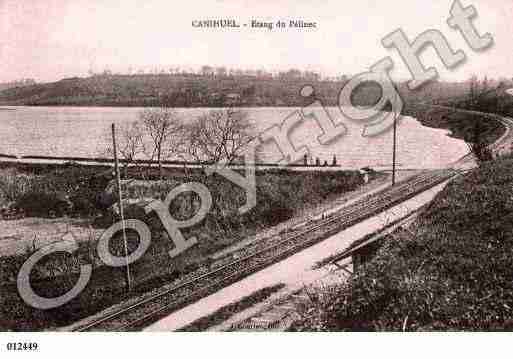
(52,39)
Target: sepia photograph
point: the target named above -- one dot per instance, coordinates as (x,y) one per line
(283,166)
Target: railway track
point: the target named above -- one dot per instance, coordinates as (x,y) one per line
(151,309)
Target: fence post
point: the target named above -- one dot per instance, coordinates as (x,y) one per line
(118,184)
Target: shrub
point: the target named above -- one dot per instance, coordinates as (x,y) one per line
(12,185)
(40,204)
(71,190)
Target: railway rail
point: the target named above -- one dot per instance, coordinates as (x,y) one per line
(151,309)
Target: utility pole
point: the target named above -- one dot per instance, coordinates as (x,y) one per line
(118,183)
(394,150)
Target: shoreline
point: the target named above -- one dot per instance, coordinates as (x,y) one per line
(105,165)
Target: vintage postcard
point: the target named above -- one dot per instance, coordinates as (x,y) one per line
(273,166)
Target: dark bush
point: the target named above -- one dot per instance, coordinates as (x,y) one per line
(70,190)
(38,204)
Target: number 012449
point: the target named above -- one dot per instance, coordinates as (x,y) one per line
(22,346)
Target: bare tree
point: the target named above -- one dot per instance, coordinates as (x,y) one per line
(478,145)
(473,91)
(219,135)
(163,127)
(130,143)
(479,91)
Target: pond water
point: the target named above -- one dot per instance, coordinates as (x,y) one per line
(85,131)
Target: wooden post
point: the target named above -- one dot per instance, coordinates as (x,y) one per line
(118,183)
(394,151)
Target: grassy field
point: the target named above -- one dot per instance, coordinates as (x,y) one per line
(451,270)
(281,195)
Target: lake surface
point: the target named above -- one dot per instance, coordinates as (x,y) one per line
(85,131)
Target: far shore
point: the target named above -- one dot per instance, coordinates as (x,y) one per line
(34,162)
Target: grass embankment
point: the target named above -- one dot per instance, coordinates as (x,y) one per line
(453,113)
(451,270)
(462,125)
(280,195)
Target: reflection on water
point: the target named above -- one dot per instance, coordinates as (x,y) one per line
(84,132)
